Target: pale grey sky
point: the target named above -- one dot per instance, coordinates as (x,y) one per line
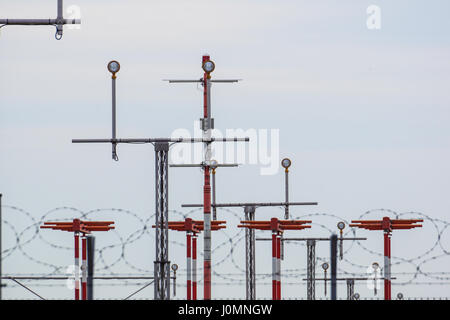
(363,114)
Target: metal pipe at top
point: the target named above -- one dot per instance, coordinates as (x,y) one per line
(254,204)
(38,22)
(155,140)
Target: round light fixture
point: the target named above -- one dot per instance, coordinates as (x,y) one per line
(400,296)
(286,163)
(341,225)
(214,164)
(375,265)
(113,67)
(174,267)
(209,66)
(325,266)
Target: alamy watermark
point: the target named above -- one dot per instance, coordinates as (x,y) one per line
(373,21)
(263,149)
(73,12)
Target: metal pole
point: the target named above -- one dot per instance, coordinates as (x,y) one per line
(90,266)
(161,264)
(250,255)
(83,268)
(311,269)
(114,145)
(333,260)
(278,266)
(286,208)
(77,266)
(214,194)
(387,265)
(188,263)
(350,289)
(60,9)
(1,267)
(207,186)
(60,19)
(274,265)
(194,267)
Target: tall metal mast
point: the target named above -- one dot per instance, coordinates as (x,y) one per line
(207,124)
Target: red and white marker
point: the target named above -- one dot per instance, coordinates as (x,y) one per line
(194,267)
(188,262)
(83,268)
(77,266)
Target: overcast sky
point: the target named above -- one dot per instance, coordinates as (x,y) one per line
(363,114)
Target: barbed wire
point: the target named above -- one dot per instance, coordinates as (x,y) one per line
(231,242)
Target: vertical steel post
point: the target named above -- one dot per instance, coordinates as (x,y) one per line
(207,187)
(60,9)
(1,235)
(161,263)
(214,209)
(77,266)
(207,236)
(250,277)
(83,267)
(387,265)
(274,265)
(60,18)
(113,114)
(188,263)
(278,266)
(311,269)
(286,208)
(350,289)
(90,266)
(194,266)
(333,260)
